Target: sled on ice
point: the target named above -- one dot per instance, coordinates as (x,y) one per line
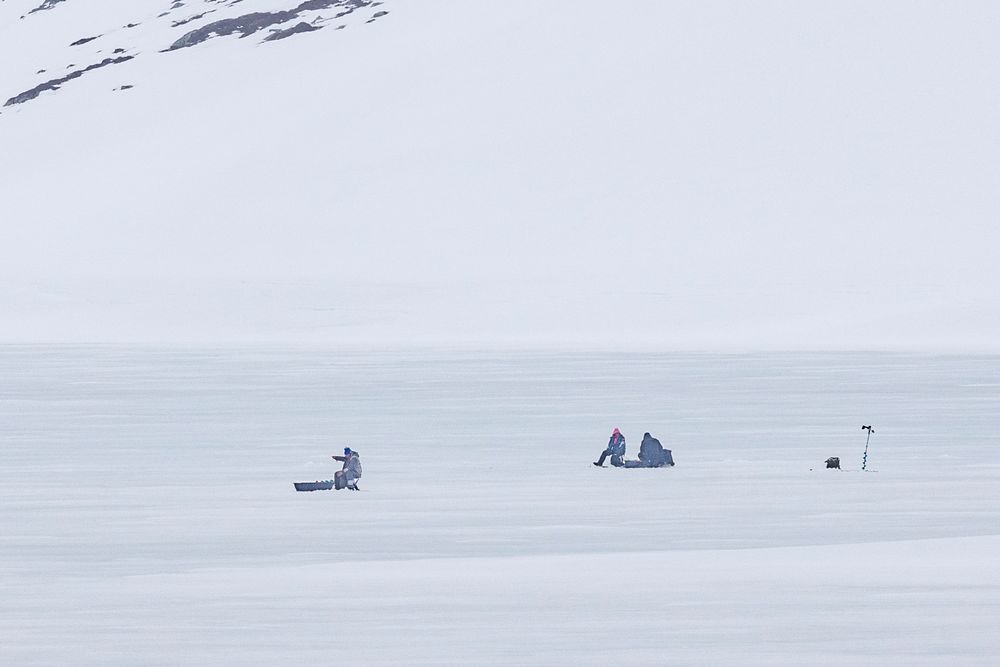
(325,485)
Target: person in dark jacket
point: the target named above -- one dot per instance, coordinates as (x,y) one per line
(351,470)
(652,454)
(650,451)
(615,449)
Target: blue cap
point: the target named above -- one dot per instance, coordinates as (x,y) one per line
(347,450)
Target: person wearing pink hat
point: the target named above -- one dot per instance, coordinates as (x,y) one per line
(615,449)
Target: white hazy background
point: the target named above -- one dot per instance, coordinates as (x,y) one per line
(664,175)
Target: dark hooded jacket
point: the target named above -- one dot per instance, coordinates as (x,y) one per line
(652,453)
(616,445)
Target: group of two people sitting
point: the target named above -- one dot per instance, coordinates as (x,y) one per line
(651,453)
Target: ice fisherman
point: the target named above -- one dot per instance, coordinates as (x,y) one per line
(651,454)
(615,449)
(351,471)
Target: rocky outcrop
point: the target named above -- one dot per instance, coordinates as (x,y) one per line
(248,24)
(53,84)
(294,30)
(48,4)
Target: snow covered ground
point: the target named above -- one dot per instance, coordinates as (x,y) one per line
(148,515)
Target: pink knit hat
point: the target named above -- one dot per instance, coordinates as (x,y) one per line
(616,431)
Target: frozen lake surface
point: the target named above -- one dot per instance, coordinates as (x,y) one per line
(148,515)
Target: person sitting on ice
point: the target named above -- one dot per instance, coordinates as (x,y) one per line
(351,472)
(615,449)
(651,454)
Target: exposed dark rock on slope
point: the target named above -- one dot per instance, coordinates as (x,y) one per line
(248,24)
(84,40)
(48,4)
(53,84)
(294,30)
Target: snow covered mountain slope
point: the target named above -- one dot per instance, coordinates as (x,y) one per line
(679,174)
(107,44)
